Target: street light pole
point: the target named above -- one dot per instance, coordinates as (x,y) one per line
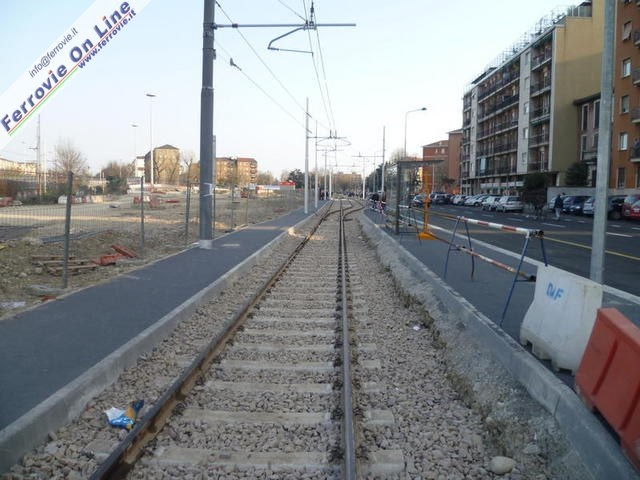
(151,97)
(404,155)
(135,155)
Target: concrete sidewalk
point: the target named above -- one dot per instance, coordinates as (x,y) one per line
(43,349)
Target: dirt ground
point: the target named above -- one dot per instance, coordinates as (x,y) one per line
(26,281)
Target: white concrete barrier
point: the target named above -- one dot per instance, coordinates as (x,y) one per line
(560,319)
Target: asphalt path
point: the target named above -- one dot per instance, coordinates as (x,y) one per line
(567,242)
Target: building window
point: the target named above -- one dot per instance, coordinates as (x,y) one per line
(584,125)
(524,158)
(526,107)
(626,67)
(525,133)
(596,114)
(638,176)
(620,179)
(526,84)
(626,31)
(595,141)
(583,144)
(623,141)
(624,104)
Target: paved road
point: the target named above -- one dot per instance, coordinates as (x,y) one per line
(567,242)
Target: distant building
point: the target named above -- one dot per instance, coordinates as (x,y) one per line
(236,171)
(166,160)
(519,114)
(436,156)
(13,168)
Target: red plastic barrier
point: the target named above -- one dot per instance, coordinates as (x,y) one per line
(608,378)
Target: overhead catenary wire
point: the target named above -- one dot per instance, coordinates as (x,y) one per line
(324,75)
(275,77)
(257,85)
(291,9)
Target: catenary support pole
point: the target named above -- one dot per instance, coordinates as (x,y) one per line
(206,128)
(306,159)
(383,152)
(598,243)
(315,174)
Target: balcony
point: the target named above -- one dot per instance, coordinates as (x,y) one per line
(539,87)
(538,60)
(505,147)
(537,166)
(540,114)
(540,139)
(589,156)
(635,115)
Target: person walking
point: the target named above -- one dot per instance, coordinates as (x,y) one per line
(557,205)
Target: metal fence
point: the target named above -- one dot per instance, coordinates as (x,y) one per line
(178,211)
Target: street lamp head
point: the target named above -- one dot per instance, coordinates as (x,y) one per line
(151,95)
(134,125)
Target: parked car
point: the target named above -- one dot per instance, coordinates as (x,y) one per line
(470,200)
(509,203)
(489,203)
(476,200)
(418,200)
(614,206)
(571,200)
(576,206)
(438,197)
(629,201)
(634,211)
(458,199)
(552,202)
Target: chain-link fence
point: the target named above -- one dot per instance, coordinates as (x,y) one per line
(177,210)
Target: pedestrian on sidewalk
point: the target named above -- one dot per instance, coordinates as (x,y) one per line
(557,205)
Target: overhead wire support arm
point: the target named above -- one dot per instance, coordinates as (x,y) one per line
(296,27)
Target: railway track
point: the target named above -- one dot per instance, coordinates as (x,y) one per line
(273,394)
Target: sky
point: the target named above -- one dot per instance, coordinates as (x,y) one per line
(402,55)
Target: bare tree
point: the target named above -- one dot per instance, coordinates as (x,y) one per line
(69,159)
(190,166)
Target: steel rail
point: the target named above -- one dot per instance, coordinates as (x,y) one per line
(124,456)
(348,435)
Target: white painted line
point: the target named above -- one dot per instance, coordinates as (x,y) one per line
(615,226)
(532,261)
(635,228)
(485,215)
(515,219)
(620,235)
(554,225)
(581,221)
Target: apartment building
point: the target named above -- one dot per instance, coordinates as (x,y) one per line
(166,163)
(236,171)
(625,133)
(519,113)
(443,158)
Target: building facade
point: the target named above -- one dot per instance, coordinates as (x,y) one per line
(436,156)
(236,171)
(519,114)
(166,163)
(625,146)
